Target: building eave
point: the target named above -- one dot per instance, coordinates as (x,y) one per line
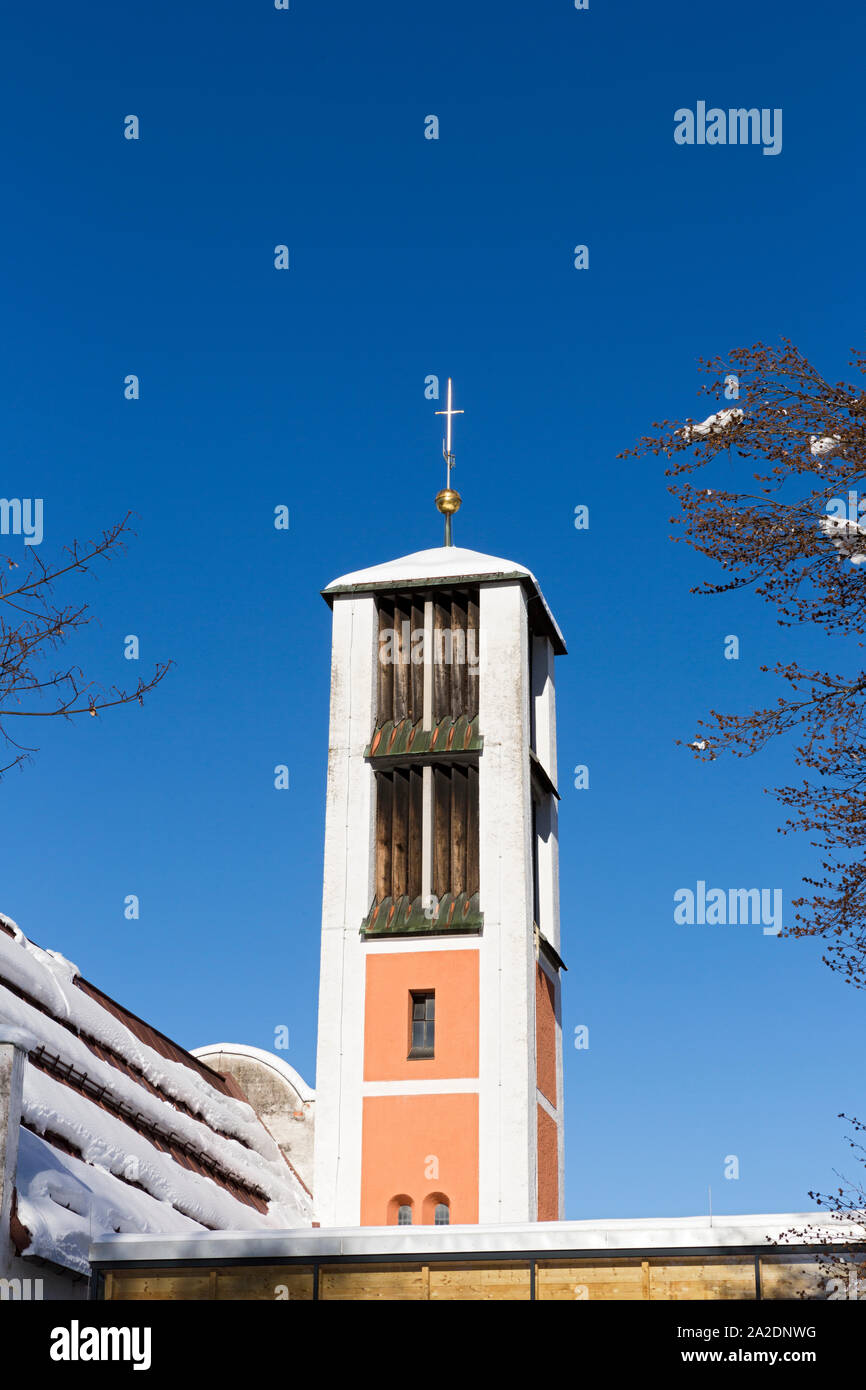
(543,622)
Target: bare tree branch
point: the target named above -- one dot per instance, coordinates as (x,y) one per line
(32,625)
(789,536)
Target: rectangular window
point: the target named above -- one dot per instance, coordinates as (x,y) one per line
(422,1026)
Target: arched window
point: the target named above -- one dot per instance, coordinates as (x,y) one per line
(436,1210)
(401,1210)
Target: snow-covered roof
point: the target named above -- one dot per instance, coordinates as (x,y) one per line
(63,1202)
(445,564)
(113,1111)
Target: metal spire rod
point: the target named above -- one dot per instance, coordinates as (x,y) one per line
(448,501)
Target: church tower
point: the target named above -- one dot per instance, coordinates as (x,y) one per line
(439,1071)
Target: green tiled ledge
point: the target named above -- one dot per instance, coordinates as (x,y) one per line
(406,916)
(403,738)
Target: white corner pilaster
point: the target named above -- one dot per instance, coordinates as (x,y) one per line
(507,1092)
(347,894)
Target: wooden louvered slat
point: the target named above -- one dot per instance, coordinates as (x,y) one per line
(459,682)
(415,831)
(401,664)
(417,666)
(441,670)
(473,652)
(473,875)
(384,815)
(385,672)
(400,835)
(441,832)
(459,805)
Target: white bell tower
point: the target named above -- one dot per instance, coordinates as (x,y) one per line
(439,1072)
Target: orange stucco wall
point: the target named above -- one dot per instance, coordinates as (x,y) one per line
(422,1147)
(548,1167)
(545,1034)
(390,978)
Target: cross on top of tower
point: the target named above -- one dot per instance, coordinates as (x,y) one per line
(448,501)
(446,444)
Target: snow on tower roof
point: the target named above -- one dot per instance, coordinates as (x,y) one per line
(448,564)
(430,566)
(121,1128)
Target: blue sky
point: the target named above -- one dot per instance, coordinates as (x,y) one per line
(306,387)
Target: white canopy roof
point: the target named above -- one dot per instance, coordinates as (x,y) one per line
(771,1233)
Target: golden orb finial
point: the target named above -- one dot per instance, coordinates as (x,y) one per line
(448,501)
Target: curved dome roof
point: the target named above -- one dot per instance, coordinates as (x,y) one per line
(265,1059)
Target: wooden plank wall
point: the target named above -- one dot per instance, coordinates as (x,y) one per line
(723,1277)
(394,1283)
(709,1277)
(788,1276)
(271,1282)
(610,1280)
(480,1282)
